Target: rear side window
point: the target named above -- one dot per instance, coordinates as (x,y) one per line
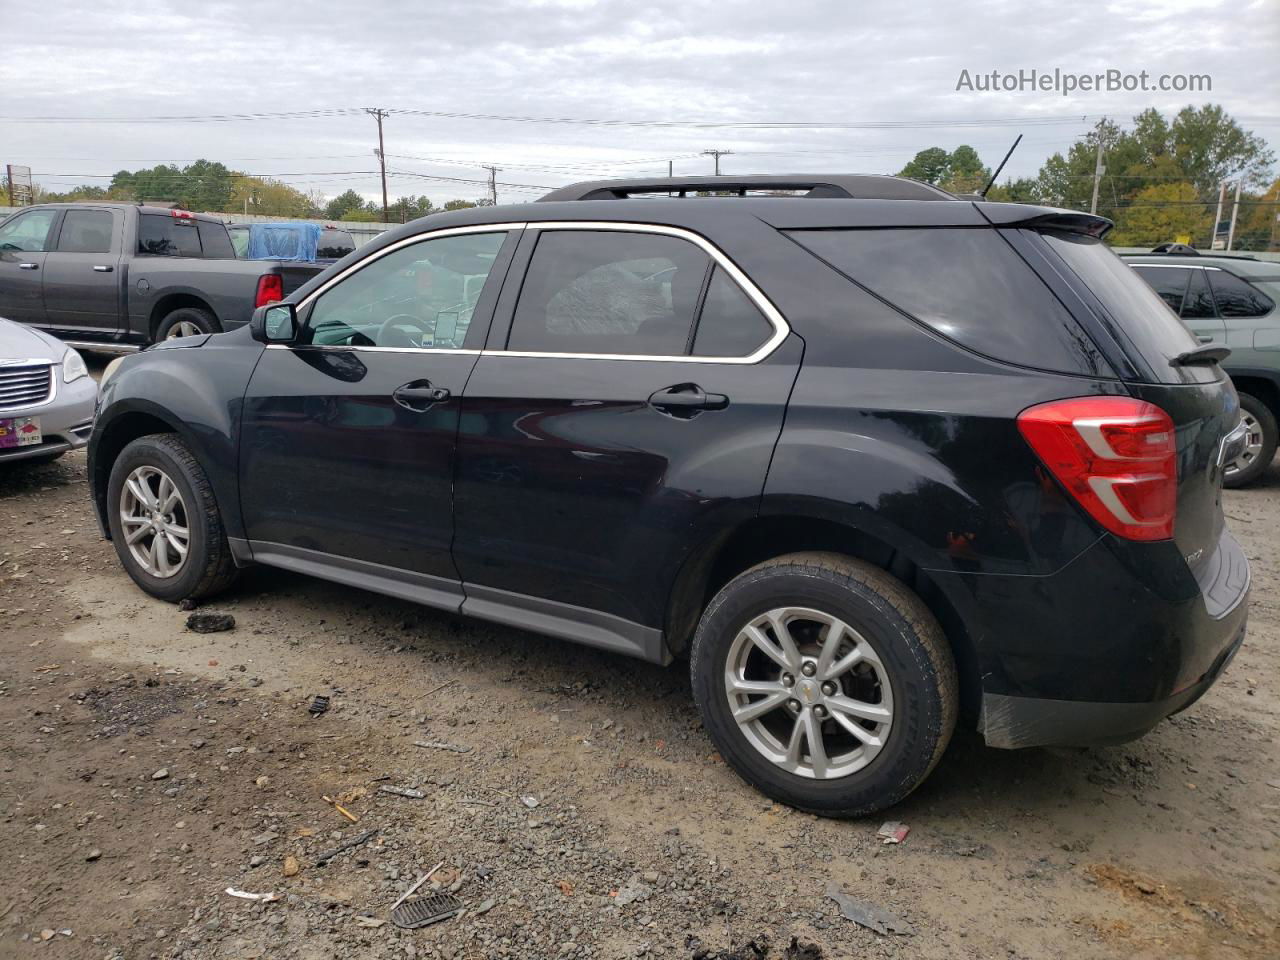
(215,240)
(335,244)
(1155,332)
(1169,282)
(85,231)
(609,292)
(967,285)
(730,325)
(163,236)
(1236,298)
(1198,303)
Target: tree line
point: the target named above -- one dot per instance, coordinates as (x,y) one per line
(1160,181)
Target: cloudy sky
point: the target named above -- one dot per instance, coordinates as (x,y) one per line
(886,71)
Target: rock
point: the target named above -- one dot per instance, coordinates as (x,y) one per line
(161,774)
(291,867)
(210,622)
(92,855)
(633,892)
(257,861)
(47,934)
(262,781)
(650,876)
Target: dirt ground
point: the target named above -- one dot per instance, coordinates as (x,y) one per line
(147,768)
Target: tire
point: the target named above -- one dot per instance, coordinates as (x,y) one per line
(186,322)
(911,658)
(1263,435)
(208,567)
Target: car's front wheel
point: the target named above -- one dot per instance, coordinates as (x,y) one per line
(1260,444)
(825,683)
(165,522)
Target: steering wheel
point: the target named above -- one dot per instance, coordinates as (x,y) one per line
(393,332)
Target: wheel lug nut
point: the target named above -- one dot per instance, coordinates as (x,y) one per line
(788,680)
(819,711)
(828,689)
(809,668)
(793,704)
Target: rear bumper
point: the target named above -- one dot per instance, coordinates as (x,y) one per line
(1012,722)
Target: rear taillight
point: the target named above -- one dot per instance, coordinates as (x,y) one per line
(1115,455)
(270,289)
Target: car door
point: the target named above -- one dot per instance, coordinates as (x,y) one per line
(24,241)
(81,283)
(1198,310)
(624,411)
(347,443)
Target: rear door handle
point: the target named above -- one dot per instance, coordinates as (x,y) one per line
(28,266)
(418,395)
(687,398)
(102,268)
(1204,339)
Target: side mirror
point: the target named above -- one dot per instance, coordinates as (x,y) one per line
(275,323)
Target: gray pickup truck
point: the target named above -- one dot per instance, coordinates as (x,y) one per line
(122,276)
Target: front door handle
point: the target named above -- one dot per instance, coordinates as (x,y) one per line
(686,399)
(28,266)
(102,268)
(418,395)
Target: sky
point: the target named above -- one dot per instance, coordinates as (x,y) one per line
(862,86)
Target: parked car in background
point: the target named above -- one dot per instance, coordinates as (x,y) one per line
(120,275)
(1230,299)
(872,458)
(46,396)
(290,241)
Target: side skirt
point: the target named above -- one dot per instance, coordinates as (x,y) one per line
(591,628)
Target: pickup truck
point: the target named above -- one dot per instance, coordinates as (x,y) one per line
(120,276)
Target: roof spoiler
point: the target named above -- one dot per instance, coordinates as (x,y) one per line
(1067,221)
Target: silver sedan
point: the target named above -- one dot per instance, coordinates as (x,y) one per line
(46,396)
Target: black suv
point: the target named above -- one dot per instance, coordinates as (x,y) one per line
(870,456)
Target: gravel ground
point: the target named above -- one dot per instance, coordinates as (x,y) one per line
(578,811)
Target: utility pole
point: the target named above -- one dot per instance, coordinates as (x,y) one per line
(493,182)
(379,114)
(1235,210)
(1098,170)
(671,166)
(717,154)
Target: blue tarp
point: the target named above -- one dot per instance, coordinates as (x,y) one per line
(284,241)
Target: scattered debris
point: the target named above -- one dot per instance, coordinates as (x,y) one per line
(529,801)
(210,622)
(635,891)
(441,745)
(751,950)
(355,841)
(341,809)
(868,915)
(92,855)
(416,884)
(893,831)
(802,951)
(403,792)
(261,897)
(447,683)
(485,907)
(291,866)
(566,888)
(262,781)
(425,911)
(161,774)
(318,706)
(371,922)
(186,604)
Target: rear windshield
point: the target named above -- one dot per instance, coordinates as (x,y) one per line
(1153,329)
(335,244)
(970,286)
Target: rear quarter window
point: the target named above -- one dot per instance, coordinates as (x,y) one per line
(215,240)
(968,285)
(163,236)
(1235,297)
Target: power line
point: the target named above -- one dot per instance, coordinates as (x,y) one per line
(717,154)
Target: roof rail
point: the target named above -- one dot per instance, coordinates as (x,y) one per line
(841,186)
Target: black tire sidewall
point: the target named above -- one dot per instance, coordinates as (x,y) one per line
(911,749)
(201,318)
(1270,435)
(149,451)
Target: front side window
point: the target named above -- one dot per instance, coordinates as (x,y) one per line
(420,296)
(609,292)
(1236,298)
(28,232)
(162,236)
(85,231)
(1169,282)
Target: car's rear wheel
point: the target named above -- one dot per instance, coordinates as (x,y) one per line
(1260,446)
(165,522)
(825,683)
(186,322)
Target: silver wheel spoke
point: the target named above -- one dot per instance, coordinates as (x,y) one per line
(832,634)
(148,497)
(177,533)
(159,563)
(759,708)
(136,535)
(778,654)
(794,744)
(817,750)
(140,492)
(857,708)
(857,730)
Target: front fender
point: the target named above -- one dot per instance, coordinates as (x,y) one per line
(196,393)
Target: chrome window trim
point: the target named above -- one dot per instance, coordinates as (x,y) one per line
(1179,266)
(53,385)
(781,329)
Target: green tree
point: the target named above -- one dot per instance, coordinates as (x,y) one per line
(344,203)
(267,197)
(1163,212)
(928,166)
(1210,146)
(459,205)
(965,172)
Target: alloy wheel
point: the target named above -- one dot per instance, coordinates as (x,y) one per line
(1253,445)
(183,328)
(154,520)
(809,692)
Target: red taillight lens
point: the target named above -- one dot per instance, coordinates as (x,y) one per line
(270,289)
(1115,455)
